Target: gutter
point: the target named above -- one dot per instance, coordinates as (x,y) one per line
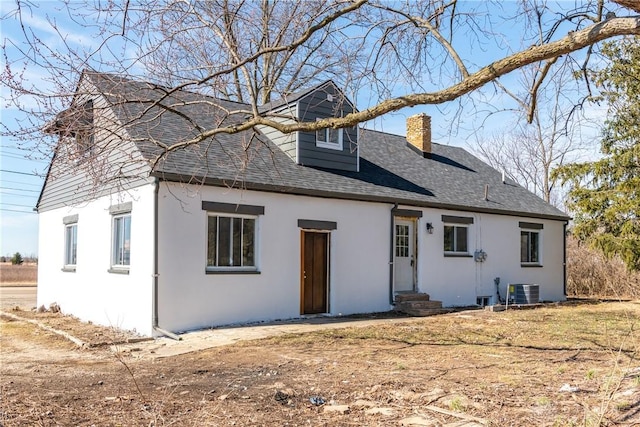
(564,258)
(362,197)
(156,275)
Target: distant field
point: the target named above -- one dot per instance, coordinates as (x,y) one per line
(18,275)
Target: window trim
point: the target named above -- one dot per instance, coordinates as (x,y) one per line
(339,146)
(119,212)
(530,231)
(455,220)
(456,253)
(230,269)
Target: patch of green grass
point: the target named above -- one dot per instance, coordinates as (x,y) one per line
(543,401)
(623,406)
(456,405)
(591,374)
(560,422)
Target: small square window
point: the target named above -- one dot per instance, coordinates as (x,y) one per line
(455,239)
(483,301)
(329,138)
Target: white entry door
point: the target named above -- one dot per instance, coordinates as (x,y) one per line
(404,256)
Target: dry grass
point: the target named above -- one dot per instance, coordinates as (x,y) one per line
(15,275)
(507,368)
(588,326)
(590,273)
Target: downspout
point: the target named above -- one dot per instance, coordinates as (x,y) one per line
(156,274)
(391,256)
(564,258)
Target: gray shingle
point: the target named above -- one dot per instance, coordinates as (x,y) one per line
(390,171)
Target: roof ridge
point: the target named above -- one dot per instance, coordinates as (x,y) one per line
(158,86)
(404,136)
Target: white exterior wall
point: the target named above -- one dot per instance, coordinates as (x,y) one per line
(457,281)
(359,258)
(189,298)
(92,293)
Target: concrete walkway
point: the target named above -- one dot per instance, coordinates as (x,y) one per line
(209,338)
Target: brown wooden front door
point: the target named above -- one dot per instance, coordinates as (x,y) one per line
(315,272)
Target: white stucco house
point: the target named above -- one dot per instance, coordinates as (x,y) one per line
(261,225)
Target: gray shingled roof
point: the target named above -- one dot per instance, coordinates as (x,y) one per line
(390,171)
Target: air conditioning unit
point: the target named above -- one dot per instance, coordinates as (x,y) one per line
(524,294)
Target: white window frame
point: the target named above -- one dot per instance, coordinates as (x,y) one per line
(455,239)
(529,232)
(70,247)
(115,256)
(233,268)
(325,142)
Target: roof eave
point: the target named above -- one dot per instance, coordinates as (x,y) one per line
(273,188)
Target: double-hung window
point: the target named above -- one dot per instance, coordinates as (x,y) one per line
(120,238)
(530,234)
(456,235)
(70,242)
(232,237)
(329,138)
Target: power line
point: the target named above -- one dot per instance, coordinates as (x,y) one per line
(19,189)
(21,173)
(16,148)
(15,204)
(15,195)
(25,158)
(18,182)
(15,210)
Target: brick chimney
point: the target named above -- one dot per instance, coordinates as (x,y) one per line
(419,133)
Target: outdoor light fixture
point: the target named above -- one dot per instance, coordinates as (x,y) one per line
(429,228)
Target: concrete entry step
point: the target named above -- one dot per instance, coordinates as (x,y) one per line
(418,304)
(411,296)
(412,305)
(424,312)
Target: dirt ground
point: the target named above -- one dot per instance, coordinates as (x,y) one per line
(553,366)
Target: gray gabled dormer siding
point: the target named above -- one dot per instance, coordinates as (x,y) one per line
(323,101)
(327,101)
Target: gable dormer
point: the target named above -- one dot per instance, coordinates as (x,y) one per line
(75,125)
(326,148)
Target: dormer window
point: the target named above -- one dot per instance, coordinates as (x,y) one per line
(329,138)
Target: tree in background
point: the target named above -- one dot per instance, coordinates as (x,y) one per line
(16,259)
(390,55)
(604,194)
(541,138)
